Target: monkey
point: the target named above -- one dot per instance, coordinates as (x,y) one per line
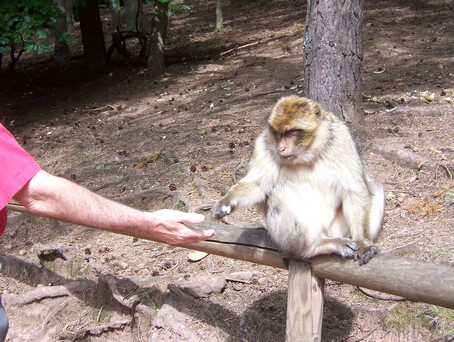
(314,189)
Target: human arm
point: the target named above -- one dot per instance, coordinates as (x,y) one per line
(61,199)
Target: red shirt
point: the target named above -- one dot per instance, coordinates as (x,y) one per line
(17,167)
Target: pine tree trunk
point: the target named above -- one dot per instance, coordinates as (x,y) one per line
(333,52)
(92,36)
(156,47)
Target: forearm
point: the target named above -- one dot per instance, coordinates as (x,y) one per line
(61,199)
(64,200)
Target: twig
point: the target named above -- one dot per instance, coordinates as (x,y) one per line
(99,314)
(99,109)
(448,172)
(239,48)
(234,280)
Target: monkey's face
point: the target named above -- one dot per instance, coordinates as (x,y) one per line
(293,125)
(293,146)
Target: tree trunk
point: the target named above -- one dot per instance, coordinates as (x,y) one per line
(333,52)
(92,36)
(134,15)
(156,62)
(114,8)
(219,17)
(63,25)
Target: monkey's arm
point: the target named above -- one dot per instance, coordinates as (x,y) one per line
(259,181)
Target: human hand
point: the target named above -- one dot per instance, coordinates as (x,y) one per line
(169,227)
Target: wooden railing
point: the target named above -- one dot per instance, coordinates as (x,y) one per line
(412,279)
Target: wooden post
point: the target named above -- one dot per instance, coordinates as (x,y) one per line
(304,303)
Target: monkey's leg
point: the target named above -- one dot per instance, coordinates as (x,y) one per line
(356,210)
(346,248)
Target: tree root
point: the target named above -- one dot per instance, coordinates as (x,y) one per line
(410,160)
(130,301)
(95,330)
(380,296)
(44,292)
(146,193)
(39,335)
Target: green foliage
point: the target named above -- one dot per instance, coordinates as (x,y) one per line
(25,25)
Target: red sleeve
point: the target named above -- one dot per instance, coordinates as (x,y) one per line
(17,167)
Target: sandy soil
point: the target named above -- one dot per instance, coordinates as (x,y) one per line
(180,142)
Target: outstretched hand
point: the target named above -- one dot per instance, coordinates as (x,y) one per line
(169,227)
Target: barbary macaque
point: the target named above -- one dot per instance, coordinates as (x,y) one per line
(307,176)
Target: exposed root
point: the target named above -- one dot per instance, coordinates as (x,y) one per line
(410,160)
(95,330)
(203,207)
(39,335)
(146,193)
(44,292)
(380,295)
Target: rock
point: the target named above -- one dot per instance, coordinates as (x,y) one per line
(202,287)
(243,277)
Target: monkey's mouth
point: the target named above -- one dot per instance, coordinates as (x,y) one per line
(289,158)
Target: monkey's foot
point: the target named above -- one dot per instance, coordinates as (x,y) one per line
(364,254)
(347,248)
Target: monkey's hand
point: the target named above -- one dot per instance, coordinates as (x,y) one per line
(222,208)
(365,253)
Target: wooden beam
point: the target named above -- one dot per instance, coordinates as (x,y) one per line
(412,279)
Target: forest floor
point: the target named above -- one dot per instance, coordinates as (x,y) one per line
(180,142)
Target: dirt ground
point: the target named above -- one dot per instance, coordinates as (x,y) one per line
(180,142)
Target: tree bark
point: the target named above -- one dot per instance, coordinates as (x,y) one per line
(156,60)
(333,52)
(114,8)
(63,25)
(92,36)
(219,17)
(134,15)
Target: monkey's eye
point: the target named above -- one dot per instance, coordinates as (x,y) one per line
(293,133)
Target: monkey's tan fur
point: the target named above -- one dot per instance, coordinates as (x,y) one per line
(316,193)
